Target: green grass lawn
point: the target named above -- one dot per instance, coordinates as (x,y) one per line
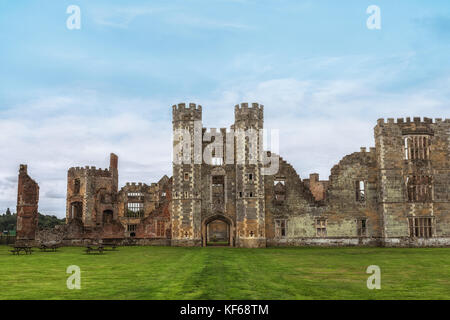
(227,273)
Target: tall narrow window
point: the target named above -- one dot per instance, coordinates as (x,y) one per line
(76,187)
(280,228)
(360,190)
(321,227)
(160,230)
(279,189)
(362,227)
(421,227)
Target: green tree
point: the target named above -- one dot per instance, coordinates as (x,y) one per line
(8,212)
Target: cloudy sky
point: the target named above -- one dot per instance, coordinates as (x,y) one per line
(70,97)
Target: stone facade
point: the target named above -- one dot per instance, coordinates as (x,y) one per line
(393,194)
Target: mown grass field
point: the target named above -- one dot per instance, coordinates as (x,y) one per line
(227,273)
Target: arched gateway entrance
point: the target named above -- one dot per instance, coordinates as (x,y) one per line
(218,229)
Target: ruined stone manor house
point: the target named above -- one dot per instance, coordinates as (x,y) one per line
(395,194)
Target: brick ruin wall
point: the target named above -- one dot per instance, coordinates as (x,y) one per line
(27,206)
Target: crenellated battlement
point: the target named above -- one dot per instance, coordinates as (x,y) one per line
(409,120)
(215,131)
(249,116)
(181,112)
(364,150)
(245,106)
(91,171)
(181,107)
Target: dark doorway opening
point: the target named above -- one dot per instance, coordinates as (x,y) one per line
(108,216)
(76,209)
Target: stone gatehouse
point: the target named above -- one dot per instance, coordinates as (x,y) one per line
(394,194)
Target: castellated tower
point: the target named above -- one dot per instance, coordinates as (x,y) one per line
(92,193)
(187,175)
(250,205)
(412,156)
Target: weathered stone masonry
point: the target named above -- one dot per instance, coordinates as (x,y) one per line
(394,194)
(27,206)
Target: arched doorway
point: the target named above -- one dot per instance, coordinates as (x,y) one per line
(218,230)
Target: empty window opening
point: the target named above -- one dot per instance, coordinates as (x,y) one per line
(77,210)
(135,210)
(160,228)
(218,180)
(279,181)
(362,227)
(76,187)
(217,161)
(416,147)
(280,228)
(321,227)
(360,191)
(421,227)
(135,194)
(279,190)
(419,188)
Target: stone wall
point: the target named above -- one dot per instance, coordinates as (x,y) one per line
(27,206)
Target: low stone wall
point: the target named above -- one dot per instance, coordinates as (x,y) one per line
(251,243)
(119,242)
(369,242)
(186,243)
(324,242)
(416,242)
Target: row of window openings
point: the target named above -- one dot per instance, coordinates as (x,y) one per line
(215,161)
(321,228)
(135,194)
(185,195)
(419,189)
(140,194)
(249,176)
(130,194)
(415,147)
(241,194)
(160,228)
(418,227)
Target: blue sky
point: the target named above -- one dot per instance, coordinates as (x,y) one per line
(69,97)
